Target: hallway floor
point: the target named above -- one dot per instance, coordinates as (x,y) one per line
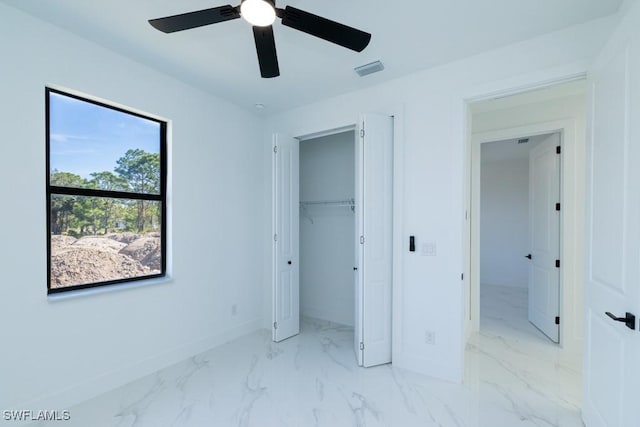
(512,379)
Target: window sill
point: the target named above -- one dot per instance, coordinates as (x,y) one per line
(81,293)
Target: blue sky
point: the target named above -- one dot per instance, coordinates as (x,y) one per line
(86,138)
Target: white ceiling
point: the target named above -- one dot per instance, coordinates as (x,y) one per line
(509,149)
(407,36)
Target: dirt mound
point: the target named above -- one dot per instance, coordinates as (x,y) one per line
(146,250)
(153,260)
(100,243)
(75,265)
(58,242)
(123,237)
(101,258)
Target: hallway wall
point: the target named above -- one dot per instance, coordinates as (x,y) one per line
(504,222)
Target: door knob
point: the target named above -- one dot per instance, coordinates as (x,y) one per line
(289,262)
(528,256)
(629,319)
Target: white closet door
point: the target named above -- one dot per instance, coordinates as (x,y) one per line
(612,350)
(358,335)
(376,222)
(286,205)
(544,236)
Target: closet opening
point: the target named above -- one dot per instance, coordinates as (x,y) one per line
(327,228)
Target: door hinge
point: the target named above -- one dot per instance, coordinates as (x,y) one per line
(362,133)
(275,148)
(275,237)
(557,320)
(558,150)
(462,276)
(275,325)
(362,240)
(361,346)
(557,206)
(557,263)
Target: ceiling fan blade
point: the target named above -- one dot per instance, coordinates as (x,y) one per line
(266,48)
(324,28)
(186,21)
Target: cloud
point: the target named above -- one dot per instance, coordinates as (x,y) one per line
(65,137)
(71,152)
(58,137)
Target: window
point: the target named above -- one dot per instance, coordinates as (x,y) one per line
(106,194)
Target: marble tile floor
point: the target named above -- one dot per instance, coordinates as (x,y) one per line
(312,380)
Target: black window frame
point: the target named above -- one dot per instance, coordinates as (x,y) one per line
(87,192)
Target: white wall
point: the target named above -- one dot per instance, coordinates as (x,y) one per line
(430,188)
(56,353)
(504,216)
(327,246)
(572,111)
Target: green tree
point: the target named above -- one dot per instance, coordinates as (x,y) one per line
(67,179)
(141,170)
(108,181)
(63,212)
(104,208)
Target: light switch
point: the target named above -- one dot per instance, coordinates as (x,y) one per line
(428,249)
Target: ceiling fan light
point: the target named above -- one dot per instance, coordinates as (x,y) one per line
(258,12)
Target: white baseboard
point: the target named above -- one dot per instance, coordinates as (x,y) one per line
(320,313)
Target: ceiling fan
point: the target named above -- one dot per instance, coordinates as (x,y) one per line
(261,14)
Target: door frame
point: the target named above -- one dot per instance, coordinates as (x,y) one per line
(333,126)
(570,203)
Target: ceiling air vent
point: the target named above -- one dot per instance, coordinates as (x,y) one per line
(370,68)
(523,141)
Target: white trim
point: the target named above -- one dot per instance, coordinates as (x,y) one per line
(117,287)
(466,227)
(329,132)
(521,131)
(524,88)
(397,286)
(317,131)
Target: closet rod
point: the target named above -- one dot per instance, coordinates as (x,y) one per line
(349,202)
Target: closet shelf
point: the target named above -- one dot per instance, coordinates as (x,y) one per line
(334,203)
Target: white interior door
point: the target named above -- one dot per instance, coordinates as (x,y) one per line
(612,350)
(358,336)
(544,236)
(286,195)
(375,225)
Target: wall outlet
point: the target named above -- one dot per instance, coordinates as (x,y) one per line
(234,309)
(430,337)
